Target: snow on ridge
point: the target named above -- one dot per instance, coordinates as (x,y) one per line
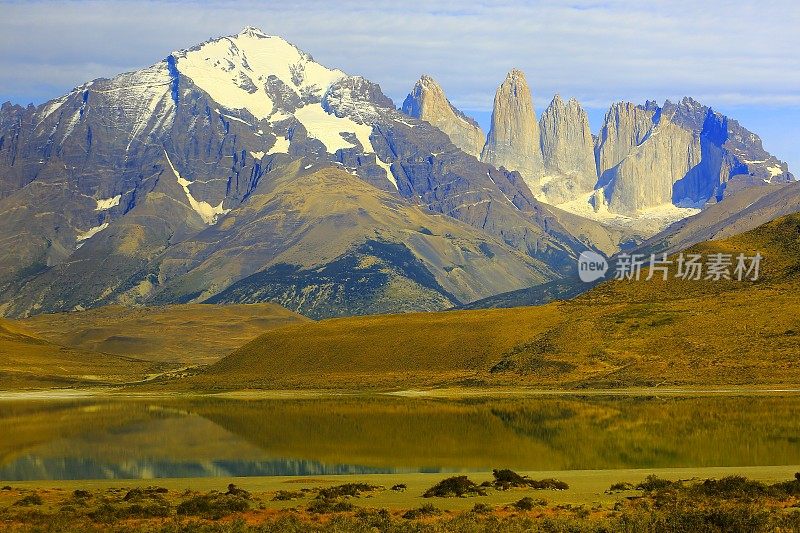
(108,203)
(233,70)
(328,128)
(774,170)
(207,212)
(281,146)
(388,169)
(88,234)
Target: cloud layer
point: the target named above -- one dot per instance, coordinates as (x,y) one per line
(727,54)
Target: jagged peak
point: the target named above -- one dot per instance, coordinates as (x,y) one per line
(253,31)
(516,74)
(234,70)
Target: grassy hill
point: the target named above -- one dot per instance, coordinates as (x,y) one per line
(30,361)
(117,345)
(186,334)
(644,333)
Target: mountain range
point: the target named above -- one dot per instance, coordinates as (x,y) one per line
(241,170)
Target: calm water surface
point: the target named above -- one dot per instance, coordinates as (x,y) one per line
(151,439)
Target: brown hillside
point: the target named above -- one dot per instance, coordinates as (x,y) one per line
(619,334)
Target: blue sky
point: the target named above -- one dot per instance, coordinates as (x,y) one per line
(739,57)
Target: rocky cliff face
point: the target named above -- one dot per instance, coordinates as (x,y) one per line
(428,102)
(680,154)
(244,157)
(646,176)
(513,141)
(625,127)
(649,166)
(568,151)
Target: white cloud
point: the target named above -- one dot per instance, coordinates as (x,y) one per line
(723,52)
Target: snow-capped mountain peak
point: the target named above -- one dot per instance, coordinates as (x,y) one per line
(235,70)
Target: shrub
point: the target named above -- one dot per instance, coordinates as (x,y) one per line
(617,487)
(140,493)
(789,488)
(348,489)
(730,487)
(457,486)
(287,495)
(213,505)
(30,499)
(653,483)
(233,490)
(548,484)
(481,508)
(527,503)
(506,479)
(82,494)
(374,519)
(400,487)
(421,512)
(327,505)
(136,504)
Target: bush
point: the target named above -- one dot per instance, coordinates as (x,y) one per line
(506,479)
(287,495)
(82,494)
(374,519)
(482,508)
(421,512)
(327,505)
(457,486)
(731,487)
(213,506)
(149,506)
(233,490)
(142,493)
(527,503)
(653,483)
(348,489)
(621,486)
(400,487)
(30,499)
(548,484)
(789,488)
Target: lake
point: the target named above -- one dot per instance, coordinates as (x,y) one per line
(119,439)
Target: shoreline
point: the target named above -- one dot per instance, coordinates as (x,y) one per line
(433,393)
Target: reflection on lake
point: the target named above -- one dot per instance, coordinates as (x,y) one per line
(148,439)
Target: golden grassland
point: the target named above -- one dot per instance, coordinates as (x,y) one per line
(28,360)
(114,345)
(184,334)
(752,499)
(620,334)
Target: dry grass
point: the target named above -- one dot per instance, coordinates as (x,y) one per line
(30,361)
(620,334)
(186,334)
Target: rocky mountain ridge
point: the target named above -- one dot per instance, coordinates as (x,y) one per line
(244,157)
(649,165)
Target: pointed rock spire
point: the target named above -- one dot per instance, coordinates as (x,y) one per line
(625,127)
(513,140)
(567,150)
(428,102)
